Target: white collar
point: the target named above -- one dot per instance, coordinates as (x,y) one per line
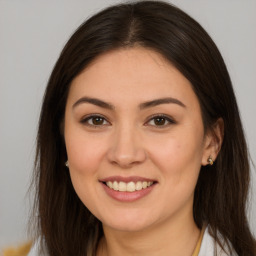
(209,245)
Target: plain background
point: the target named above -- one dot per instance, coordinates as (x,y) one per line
(32,34)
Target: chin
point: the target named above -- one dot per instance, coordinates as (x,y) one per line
(128,227)
(129,222)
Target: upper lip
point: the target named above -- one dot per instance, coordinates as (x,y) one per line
(126,179)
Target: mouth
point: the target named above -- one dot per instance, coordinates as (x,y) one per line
(131,186)
(128,185)
(127,189)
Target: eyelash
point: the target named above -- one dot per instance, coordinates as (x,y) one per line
(153,118)
(86,120)
(166,118)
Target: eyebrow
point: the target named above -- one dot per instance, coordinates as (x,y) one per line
(93,101)
(148,104)
(157,102)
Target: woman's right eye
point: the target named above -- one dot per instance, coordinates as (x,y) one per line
(95,121)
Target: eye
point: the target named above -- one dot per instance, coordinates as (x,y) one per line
(160,120)
(95,120)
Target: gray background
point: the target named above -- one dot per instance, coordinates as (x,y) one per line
(32,34)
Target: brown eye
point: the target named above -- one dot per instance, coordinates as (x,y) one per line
(95,121)
(160,121)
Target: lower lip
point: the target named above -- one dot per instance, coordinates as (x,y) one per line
(127,196)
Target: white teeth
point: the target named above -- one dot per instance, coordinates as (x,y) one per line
(130,186)
(109,184)
(144,184)
(122,186)
(138,185)
(115,185)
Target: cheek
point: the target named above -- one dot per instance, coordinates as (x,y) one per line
(178,156)
(85,155)
(84,152)
(179,160)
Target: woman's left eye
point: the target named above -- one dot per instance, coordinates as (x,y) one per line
(160,121)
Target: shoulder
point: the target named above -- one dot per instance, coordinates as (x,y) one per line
(210,247)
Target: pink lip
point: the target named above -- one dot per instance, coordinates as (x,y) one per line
(126,196)
(126,179)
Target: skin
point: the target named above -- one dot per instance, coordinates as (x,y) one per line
(128,141)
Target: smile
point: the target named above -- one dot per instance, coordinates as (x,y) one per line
(128,187)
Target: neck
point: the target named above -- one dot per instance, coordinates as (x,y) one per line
(166,238)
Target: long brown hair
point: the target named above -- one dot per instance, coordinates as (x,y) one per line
(65,225)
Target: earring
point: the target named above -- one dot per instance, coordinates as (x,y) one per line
(67,164)
(209,160)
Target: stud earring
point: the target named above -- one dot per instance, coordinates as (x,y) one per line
(209,160)
(67,164)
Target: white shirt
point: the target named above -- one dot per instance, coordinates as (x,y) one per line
(208,246)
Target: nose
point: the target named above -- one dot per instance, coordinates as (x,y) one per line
(126,148)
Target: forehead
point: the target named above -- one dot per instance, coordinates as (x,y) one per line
(133,74)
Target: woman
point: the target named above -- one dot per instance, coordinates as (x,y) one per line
(140,147)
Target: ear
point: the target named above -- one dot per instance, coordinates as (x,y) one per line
(213,141)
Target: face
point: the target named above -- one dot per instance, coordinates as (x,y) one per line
(135,139)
